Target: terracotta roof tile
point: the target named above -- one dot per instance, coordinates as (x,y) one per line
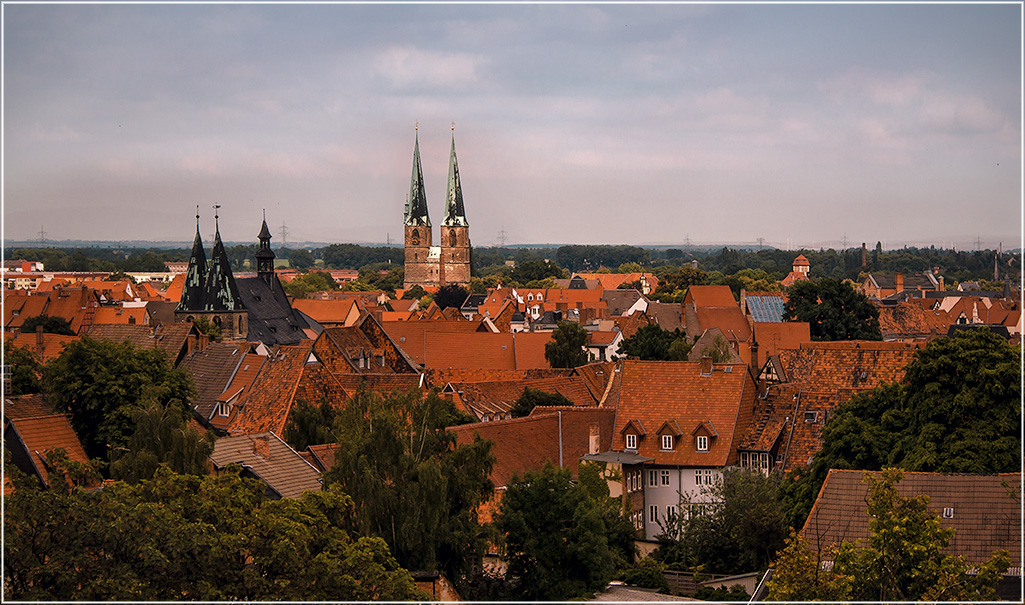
(410,335)
(984,513)
(44,346)
(211,370)
(323,456)
(269,459)
(439,377)
(26,406)
(710,296)
(172,339)
(121,315)
(491,400)
(35,436)
(328,312)
(654,392)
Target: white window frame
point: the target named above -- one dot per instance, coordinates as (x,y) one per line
(664,476)
(702,443)
(653,514)
(652,478)
(667,442)
(671,511)
(631,441)
(703,476)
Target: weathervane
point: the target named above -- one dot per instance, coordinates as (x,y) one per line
(453,126)
(216,215)
(197,216)
(416,126)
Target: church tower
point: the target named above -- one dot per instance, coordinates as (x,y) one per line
(454,264)
(195,276)
(420,268)
(264,255)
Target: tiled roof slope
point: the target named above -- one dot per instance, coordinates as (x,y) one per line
(772,336)
(530,349)
(656,392)
(272,320)
(269,459)
(410,335)
(52,344)
(602,379)
(385,384)
(323,456)
(439,377)
(909,320)
(329,312)
(286,376)
(490,400)
(172,339)
(211,370)
(986,513)
(620,301)
(668,316)
(76,305)
(630,324)
(524,444)
(340,348)
(710,296)
(246,373)
(35,436)
(26,406)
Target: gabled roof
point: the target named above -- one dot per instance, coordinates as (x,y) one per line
(985,512)
(494,399)
(654,392)
(121,315)
(172,339)
(212,369)
(25,406)
(245,374)
(439,377)
(620,301)
(269,459)
(524,444)
(35,436)
(710,296)
(410,335)
(272,320)
(612,281)
(52,344)
(668,316)
(773,336)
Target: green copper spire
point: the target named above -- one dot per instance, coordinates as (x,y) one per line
(416,215)
(455,216)
(221,292)
(195,276)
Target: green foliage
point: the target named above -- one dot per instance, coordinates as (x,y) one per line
(450,296)
(647,573)
(672,285)
(562,540)
(352,256)
(51,325)
(414,293)
(957,411)
(735,527)
(566,349)
(310,424)
(735,592)
(100,383)
(25,370)
(532,398)
(590,258)
(651,342)
(162,436)
(834,309)
(534,271)
(901,561)
(381,276)
(182,537)
(313,281)
(415,489)
(630,268)
(298,258)
(207,327)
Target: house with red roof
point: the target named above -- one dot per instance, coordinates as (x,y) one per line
(678,424)
(799,271)
(31,439)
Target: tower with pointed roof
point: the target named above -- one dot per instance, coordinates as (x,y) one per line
(264,254)
(426,264)
(195,275)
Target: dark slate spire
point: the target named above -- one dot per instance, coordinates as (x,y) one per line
(264,255)
(221,292)
(195,276)
(417,204)
(455,216)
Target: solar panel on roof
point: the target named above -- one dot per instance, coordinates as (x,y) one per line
(766,308)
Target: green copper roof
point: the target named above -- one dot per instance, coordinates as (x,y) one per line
(416,214)
(454,213)
(221,293)
(195,277)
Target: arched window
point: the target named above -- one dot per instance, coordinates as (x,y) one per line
(452,239)
(415,237)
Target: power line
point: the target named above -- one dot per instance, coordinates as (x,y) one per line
(42,235)
(284,234)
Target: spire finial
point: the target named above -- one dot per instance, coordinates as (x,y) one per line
(216,216)
(416,126)
(197,216)
(453,126)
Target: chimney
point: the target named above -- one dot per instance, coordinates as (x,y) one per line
(261,446)
(941,287)
(754,357)
(706,365)
(743,301)
(39,340)
(899,282)
(864,255)
(594,439)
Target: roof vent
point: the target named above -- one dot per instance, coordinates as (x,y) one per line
(728,370)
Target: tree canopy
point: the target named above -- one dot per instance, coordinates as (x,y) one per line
(162,436)
(51,325)
(566,349)
(99,383)
(651,342)
(532,398)
(183,537)
(834,310)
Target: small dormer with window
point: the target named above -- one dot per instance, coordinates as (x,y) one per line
(669,436)
(704,435)
(632,433)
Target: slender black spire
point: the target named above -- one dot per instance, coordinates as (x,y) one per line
(221,293)
(455,216)
(195,276)
(417,204)
(264,255)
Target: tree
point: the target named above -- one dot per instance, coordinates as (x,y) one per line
(566,350)
(719,351)
(51,325)
(314,281)
(162,436)
(310,424)
(562,540)
(735,526)
(957,411)
(532,398)
(25,370)
(651,342)
(414,293)
(834,310)
(450,296)
(183,537)
(415,488)
(300,259)
(902,560)
(100,383)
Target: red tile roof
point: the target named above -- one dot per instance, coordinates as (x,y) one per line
(494,400)
(984,511)
(120,315)
(710,296)
(654,392)
(37,435)
(323,456)
(410,335)
(44,346)
(171,338)
(26,406)
(269,459)
(329,312)
(524,444)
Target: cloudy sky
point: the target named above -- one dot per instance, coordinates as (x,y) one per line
(574,123)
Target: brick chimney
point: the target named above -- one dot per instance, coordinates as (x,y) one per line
(899,282)
(594,439)
(706,365)
(754,357)
(261,446)
(941,288)
(864,255)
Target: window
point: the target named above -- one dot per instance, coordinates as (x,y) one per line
(223,408)
(948,513)
(631,442)
(652,514)
(703,477)
(744,459)
(671,511)
(667,442)
(665,476)
(702,443)
(811,416)
(652,478)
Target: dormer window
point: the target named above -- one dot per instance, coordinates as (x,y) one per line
(702,443)
(667,442)
(631,442)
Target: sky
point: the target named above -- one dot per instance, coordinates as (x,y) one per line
(656,124)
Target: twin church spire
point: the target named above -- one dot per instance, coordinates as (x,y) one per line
(416,214)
